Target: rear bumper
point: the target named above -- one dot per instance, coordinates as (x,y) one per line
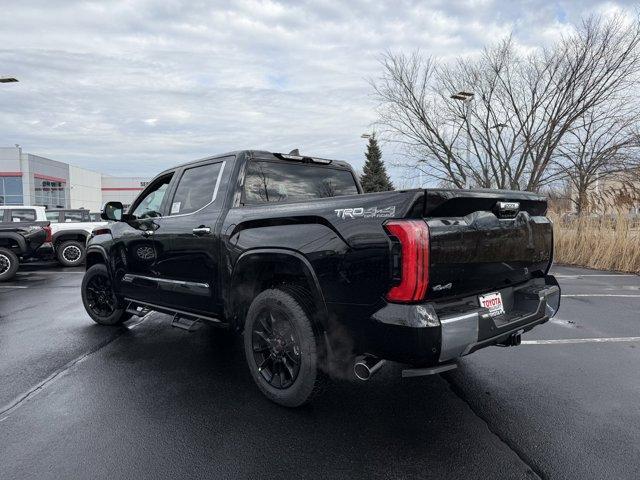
(463,333)
(435,333)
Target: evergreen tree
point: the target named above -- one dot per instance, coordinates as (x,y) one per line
(375,177)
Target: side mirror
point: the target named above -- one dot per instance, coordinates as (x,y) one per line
(112,211)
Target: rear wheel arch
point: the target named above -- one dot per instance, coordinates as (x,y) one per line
(78,236)
(261,269)
(14,242)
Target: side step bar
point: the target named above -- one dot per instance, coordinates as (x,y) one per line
(181,319)
(190,324)
(137,311)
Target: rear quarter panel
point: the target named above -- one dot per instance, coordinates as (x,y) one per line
(342,238)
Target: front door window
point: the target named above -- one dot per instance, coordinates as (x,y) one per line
(150,204)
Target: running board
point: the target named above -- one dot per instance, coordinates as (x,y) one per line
(137,311)
(181,319)
(420,372)
(189,324)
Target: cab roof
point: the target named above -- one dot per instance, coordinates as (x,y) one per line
(263,155)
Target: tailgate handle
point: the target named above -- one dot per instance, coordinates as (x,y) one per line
(507,209)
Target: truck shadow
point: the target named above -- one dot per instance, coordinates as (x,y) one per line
(195,388)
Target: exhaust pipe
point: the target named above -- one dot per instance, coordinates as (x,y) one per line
(366,367)
(513,341)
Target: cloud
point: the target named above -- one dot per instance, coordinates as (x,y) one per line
(137,86)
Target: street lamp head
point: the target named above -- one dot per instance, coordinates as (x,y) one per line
(462,95)
(8,79)
(365,135)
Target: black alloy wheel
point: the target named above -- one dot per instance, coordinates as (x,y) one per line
(276,349)
(100,296)
(99,299)
(282,346)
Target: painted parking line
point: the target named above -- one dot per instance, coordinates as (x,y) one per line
(6,410)
(578,275)
(581,340)
(41,272)
(13,286)
(599,295)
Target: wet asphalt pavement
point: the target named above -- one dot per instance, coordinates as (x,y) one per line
(150,401)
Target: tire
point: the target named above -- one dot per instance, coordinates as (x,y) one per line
(281,379)
(98,298)
(71,253)
(8,264)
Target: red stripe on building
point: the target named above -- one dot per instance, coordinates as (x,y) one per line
(10,174)
(121,189)
(51,179)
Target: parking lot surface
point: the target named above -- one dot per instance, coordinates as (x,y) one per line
(150,401)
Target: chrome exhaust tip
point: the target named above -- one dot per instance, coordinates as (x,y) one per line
(366,367)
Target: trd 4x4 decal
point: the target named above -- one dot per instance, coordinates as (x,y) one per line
(361,212)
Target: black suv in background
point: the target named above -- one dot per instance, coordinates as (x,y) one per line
(317,275)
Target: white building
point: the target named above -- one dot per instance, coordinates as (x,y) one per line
(27,179)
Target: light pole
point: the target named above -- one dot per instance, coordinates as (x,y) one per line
(8,79)
(466,98)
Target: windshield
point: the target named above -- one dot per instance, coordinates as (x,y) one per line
(275,182)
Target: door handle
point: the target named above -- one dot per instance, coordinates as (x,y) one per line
(201,231)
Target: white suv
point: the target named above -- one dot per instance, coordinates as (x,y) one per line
(69,230)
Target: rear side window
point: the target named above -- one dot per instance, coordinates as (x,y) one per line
(73,217)
(53,217)
(23,215)
(195,189)
(271,182)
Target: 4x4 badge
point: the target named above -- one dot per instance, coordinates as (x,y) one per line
(361,212)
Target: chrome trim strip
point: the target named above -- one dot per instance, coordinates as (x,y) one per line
(215,194)
(217,187)
(457,333)
(460,333)
(179,286)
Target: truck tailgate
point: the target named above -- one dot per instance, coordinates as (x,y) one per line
(482,241)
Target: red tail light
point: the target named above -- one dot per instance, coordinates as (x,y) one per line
(47,230)
(413,236)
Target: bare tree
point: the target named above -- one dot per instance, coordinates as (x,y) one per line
(602,148)
(523,105)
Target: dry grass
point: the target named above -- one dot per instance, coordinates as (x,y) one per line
(601,243)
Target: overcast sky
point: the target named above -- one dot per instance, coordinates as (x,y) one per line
(132,87)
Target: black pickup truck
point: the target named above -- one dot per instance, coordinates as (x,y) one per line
(19,240)
(317,275)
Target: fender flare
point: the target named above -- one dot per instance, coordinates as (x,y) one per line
(261,255)
(100,250)
(19,239)
(75,232)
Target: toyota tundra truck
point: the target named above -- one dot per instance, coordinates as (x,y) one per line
(287,250)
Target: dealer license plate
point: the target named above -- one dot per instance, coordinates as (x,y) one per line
(492,301)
